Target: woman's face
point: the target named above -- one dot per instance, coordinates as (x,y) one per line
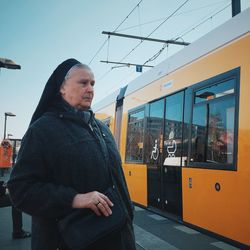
(78,89)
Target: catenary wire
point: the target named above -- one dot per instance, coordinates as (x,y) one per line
(181,13)
(202,22)
(179,37)
(101,47)
(143,40)
(186,32)
(154,30)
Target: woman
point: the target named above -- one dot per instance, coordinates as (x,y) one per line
(65,160)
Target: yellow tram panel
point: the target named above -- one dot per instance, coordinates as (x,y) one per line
(108,113)
(204,206)
(136,177)
(135,174)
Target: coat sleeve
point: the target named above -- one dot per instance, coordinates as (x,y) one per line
(31,187)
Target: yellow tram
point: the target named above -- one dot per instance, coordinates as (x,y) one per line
(183,130)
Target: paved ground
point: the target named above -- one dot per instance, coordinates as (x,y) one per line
(153,232)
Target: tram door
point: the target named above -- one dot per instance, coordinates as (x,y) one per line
(164,141)
(172,154)
(154,140)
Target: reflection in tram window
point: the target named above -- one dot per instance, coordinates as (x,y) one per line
(215,91)
(134,148)
(173,130)
(154,132)
(213,124)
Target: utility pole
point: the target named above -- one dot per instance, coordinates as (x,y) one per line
(236,9)
(6,114)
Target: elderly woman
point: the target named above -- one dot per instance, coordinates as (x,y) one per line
(66,162)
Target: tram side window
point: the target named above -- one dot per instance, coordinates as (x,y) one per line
(213,127)
(134,146)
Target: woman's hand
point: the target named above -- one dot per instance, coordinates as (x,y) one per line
(96,201)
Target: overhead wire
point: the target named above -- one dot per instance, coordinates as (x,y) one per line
(101,47)
(165,45)
(139,20)
(128,16)
(98,51)
(202,22)
(147,36)
(157,54)
(181,13)
(181,37)
(202,7)
(168,18)
(154,30)
(107,72)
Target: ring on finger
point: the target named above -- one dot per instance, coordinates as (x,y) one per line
(97,203)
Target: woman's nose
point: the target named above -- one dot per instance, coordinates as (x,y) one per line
(90,88)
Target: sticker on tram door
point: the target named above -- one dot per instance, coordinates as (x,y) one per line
(155,151)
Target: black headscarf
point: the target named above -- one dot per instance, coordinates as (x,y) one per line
(52,88)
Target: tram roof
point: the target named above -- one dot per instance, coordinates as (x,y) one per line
(234,28)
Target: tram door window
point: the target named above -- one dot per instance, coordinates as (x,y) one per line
(172,154)
(154,141)
(135,135)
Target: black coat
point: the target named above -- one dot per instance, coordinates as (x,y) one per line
(60,156)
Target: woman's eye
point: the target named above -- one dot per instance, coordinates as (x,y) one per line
(86,83)
(83,83)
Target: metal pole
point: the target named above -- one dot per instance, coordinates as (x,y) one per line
(145,38)
(5,121)
(236,9)
(128,64)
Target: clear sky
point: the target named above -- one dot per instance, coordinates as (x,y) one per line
(39,35)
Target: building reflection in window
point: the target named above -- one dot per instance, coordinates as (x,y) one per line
(213,124)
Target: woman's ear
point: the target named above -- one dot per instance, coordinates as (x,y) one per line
(62,90)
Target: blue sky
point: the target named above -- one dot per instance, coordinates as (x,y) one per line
(39,35)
